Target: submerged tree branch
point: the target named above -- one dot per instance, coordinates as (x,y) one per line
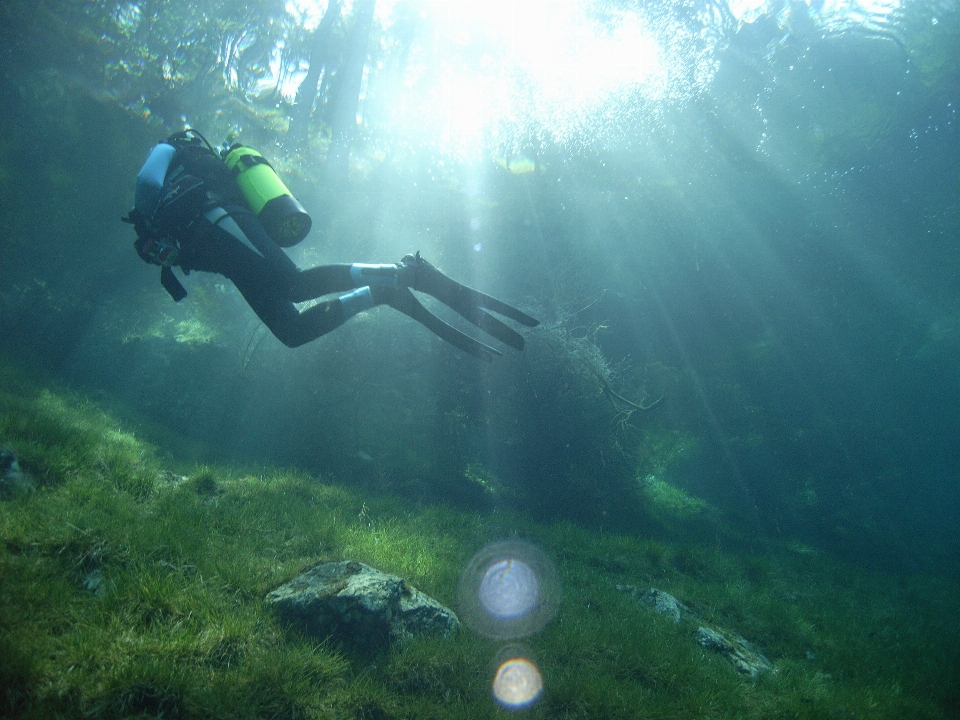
(613,396)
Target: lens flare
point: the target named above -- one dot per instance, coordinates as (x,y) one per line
(508,590)
(517,684)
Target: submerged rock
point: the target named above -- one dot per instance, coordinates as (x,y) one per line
(360,605)
(13,481)
(663,602)
(739,651)
(93,582)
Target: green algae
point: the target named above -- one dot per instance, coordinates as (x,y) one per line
(129,590)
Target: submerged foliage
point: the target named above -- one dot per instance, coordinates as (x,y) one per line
(132,591)
(668,252)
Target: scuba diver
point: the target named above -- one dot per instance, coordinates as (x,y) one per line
(227,212)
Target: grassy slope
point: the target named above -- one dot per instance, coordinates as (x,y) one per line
(127,591)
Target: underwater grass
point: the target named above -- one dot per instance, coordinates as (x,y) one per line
(131,591)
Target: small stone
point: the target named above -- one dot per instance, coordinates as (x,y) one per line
(13,481)
(93,582)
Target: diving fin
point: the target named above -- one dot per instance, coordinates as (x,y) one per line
(405,301)
(468,303)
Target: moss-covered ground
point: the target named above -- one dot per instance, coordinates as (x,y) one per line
(127,590)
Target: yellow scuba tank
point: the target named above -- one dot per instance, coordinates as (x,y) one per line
(282,216)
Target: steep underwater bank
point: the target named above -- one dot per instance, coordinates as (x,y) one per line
(129,590)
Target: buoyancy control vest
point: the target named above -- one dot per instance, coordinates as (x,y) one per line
(184,179)
(197,178)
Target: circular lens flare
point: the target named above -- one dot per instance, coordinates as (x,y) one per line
(508,590)
(517,684)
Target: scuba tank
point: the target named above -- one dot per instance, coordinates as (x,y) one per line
(282,216)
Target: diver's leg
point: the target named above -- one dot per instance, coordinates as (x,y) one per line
(258,239)
(290,325)
(264,288)
(296,327)
(302,285)
(320,280)
(325,279)
(269,301)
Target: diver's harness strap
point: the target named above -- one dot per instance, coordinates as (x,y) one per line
(248,161)
(171,284)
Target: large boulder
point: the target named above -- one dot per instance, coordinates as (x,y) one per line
(359,605)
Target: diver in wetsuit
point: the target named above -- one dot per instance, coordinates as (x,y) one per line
(191,211)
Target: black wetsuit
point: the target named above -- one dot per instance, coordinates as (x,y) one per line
(269,281)
(195,205)
(189,212)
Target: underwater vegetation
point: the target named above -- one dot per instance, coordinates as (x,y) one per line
(776,259)
(131,590)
